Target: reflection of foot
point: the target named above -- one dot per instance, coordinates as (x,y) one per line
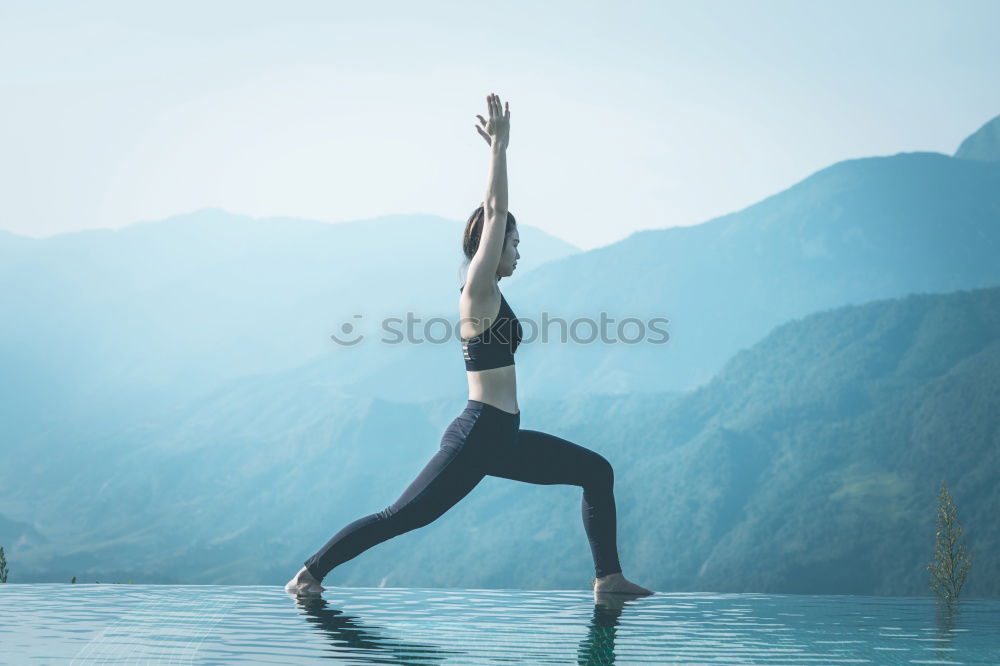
(612,603)
(616,583)
(304,584)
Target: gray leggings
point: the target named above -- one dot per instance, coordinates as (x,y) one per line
(486,440)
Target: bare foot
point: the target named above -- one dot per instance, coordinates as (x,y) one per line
(304,584)
(616,583)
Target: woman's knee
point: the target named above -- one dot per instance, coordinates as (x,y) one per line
(602,470)
(418,511)
(395,520)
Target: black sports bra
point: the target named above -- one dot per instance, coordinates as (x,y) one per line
(494,347)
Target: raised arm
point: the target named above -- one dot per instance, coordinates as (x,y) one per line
(483,266)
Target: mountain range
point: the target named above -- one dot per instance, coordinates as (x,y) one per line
(173,408)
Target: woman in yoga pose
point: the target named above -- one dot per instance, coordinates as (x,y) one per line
(486,437)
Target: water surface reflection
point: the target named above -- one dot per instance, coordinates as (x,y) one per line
(211,624)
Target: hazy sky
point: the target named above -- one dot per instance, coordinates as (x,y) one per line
(624,115)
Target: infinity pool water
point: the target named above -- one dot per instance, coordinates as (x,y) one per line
(131,624)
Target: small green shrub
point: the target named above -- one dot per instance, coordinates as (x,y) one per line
(951,559)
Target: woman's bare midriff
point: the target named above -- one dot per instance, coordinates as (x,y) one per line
(496,386)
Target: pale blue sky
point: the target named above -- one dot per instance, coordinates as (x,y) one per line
(624,115)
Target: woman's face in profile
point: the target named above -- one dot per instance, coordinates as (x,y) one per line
(510,254)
